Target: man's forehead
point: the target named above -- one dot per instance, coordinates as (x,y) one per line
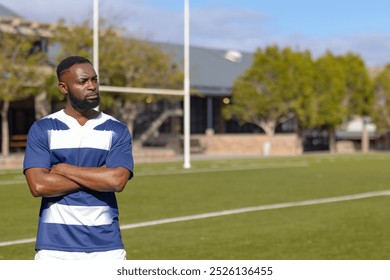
(80,69)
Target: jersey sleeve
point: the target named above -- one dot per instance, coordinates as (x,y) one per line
(120,154)
(37,150)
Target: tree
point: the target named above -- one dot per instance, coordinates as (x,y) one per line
(123,61)
(342,88)
(271,91)
(359,95)
(282,84)
(381,114)
(20,75)
(135,63)
(359,87)
(329,88)
(304,104)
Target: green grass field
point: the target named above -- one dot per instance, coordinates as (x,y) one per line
(350,228)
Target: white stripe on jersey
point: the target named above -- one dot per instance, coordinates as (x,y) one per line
(77,215)
(65,139)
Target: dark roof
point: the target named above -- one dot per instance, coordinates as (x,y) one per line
(212,71)
(5,12)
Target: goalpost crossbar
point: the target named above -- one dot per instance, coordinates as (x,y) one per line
(142,90)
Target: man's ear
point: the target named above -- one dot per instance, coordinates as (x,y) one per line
(63,88)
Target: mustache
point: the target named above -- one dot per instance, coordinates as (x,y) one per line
(93,93)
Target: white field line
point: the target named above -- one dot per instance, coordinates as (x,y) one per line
(224,168)
(12,182)
(15,242)
(193,170)
(258,208)
(234,211)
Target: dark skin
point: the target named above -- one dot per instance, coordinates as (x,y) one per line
(81,80)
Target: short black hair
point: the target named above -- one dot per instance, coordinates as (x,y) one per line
(69,62)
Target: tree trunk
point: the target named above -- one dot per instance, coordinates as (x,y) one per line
(42,105)
(4,129)
(268,127)
(365,140)
(300,135)
(127,112)
(332,140)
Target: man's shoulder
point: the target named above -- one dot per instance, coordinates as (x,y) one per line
(51,121)
(106,117)
(55,115)
(109,121)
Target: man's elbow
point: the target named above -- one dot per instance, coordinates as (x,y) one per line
(120,184)
(119,188)
(36,190)
(35,193)
(120,181)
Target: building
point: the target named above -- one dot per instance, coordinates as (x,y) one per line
(21,113)
(212,71)
(212,74)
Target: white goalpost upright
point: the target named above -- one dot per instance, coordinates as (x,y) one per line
(187,123)
(185,92)
(96,35)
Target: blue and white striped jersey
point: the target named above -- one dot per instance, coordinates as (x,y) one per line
(83,221)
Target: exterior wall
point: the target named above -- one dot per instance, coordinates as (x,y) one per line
(217,144)
(12,161)
(250,144)
(347,146)
(146,154)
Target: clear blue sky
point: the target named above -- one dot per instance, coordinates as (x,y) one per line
(359,26)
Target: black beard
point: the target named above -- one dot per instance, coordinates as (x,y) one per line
(83,104)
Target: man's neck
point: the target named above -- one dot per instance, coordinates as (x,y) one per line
(81,116)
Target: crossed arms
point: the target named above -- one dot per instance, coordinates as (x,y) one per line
(64,178)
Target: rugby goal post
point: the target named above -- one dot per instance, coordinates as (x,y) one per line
(185,92)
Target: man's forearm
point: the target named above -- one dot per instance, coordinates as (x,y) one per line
(44,184)
(95,178)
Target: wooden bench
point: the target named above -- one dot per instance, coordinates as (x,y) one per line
(18,141)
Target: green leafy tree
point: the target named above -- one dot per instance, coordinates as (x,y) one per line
(20,75)
(135,63)
(381,114)
(123,61)
(330,94)
(272,90)
(359,86)
(359,93)
(304,104)
(282,84)
(342,88)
